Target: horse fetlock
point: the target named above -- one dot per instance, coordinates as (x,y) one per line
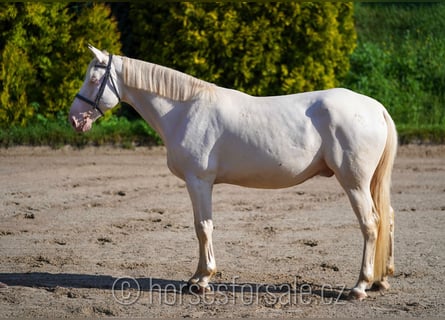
(366,277)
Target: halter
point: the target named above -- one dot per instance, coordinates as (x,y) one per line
(95,103)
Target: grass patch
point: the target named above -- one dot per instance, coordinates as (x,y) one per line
(115,131)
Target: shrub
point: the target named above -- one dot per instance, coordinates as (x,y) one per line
(44,55)
(258,48)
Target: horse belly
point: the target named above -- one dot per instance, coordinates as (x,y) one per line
(256,170)
(265,147)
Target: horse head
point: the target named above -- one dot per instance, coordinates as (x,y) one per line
(98,93)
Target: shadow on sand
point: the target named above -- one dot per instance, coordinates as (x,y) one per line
(68,280)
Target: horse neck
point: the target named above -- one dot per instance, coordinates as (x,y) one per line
(160,109)
(157,111)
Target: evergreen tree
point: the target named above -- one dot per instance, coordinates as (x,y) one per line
(44,55)
(259,48)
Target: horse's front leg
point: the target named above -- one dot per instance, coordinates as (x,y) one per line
(201,195)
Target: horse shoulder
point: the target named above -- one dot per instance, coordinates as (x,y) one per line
(193,139)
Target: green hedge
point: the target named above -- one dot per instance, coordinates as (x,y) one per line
(114,131)
(261,48)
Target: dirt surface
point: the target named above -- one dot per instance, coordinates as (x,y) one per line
(109,232)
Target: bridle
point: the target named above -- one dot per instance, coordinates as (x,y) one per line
(107,75)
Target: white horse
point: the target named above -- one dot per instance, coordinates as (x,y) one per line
(217,135)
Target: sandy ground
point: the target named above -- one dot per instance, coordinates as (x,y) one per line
(109,232)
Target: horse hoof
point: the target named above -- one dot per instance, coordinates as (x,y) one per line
(357,294)
(380,286)
(203,290)
(198,288)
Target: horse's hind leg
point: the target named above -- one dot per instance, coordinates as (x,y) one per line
(201,195)
(362,204)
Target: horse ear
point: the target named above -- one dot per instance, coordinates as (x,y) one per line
(100,56)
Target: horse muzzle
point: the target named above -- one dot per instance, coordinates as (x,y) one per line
(82,125)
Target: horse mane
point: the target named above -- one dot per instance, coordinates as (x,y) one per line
(161,80)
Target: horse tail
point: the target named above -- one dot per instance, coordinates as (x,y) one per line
(380,192)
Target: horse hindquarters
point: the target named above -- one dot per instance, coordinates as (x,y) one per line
(368,189)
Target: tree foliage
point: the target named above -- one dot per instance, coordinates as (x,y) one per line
(44,55)
(259,48)
(403,68)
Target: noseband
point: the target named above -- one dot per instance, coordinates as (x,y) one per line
(107,75)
